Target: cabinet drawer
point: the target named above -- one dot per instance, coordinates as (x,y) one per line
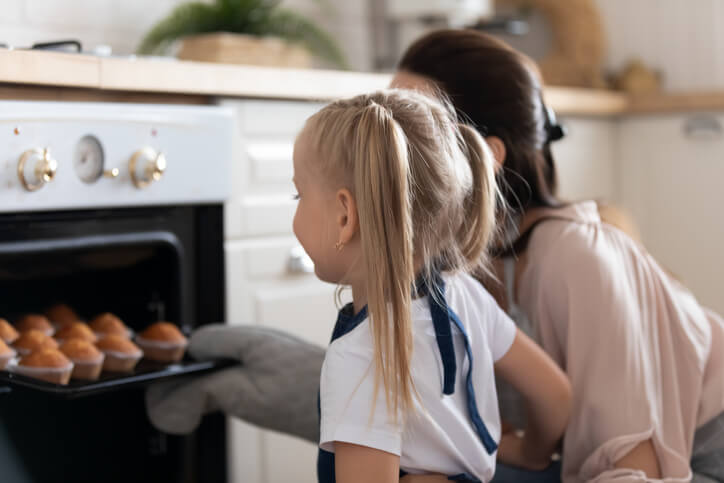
(263,289)
(273,117)
(256,216)
(261,201)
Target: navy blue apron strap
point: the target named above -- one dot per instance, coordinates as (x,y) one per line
(443,333)
(325,467)
(490,445)
(444,316)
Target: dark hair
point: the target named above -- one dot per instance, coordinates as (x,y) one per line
(498,91)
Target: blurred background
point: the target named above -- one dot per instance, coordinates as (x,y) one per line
(683,41)
(639,84)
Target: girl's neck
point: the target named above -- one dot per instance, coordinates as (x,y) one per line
(359,296)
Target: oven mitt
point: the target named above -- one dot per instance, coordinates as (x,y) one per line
(274,387)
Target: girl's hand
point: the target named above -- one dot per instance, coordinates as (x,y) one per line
(512,452)
(424,479)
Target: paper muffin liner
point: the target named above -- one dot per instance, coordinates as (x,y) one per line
(87,369)
(120,361)
(162,351)
(56,375)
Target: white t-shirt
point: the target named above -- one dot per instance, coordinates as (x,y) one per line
(440,436)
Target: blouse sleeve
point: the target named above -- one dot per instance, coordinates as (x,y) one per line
(350,410)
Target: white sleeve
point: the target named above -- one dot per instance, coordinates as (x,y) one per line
(346,396)
(501,330)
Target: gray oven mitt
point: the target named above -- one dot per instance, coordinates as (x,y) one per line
(275,387)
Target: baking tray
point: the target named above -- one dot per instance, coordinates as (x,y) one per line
(145,372)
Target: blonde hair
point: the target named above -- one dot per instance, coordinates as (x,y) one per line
(426,197)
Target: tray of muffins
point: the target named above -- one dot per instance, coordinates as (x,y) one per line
(58,353)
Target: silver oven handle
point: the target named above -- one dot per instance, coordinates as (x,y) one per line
(299,262)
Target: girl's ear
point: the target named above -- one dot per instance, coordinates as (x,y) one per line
(347,220)
(498,148)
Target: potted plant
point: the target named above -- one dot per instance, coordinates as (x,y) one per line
(244,32)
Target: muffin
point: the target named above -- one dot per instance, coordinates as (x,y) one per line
(34,321)
(60,315)
(107,323)
(47,364)
(162,342)
(7,332)
(87,359)
(122,355)
(76,330)
(33,340)
(6,353)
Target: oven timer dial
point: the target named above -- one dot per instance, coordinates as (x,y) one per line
(36,168)
(146,166)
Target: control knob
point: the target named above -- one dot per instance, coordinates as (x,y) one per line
(36,168)
(146,166)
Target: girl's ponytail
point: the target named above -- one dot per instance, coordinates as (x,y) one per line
(478,227)
(382,189)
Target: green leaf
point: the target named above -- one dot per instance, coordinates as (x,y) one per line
(187,19)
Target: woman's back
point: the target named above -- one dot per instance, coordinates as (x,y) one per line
(639,350)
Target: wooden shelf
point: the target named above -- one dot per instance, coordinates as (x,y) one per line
(38,75)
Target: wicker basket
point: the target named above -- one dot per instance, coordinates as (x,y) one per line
(227,48)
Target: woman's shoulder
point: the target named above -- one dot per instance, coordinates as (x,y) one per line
(576,227)
(576,240)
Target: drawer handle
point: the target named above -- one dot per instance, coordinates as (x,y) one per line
(703,127)
(299,262)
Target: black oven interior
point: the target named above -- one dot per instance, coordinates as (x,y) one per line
(138,277)
(144,265)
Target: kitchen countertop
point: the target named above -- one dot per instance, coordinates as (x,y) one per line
(114,75)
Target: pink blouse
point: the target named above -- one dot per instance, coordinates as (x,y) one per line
(645,360)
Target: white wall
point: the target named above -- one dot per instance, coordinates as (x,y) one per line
(122,23)
(684,39)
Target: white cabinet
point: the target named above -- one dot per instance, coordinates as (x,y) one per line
(267,280)
(585,159)
(671,181)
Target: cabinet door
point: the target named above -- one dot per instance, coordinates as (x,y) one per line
(261,202)
(585,160)
(671,181)
(270,283)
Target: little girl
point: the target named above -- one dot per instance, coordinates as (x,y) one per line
(398,201)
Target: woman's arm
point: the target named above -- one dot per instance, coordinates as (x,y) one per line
(548,396)
(360,464)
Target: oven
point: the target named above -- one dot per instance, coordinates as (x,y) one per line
(110,208)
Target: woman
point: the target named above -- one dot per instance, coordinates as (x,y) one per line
(645,361)
(643,357)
